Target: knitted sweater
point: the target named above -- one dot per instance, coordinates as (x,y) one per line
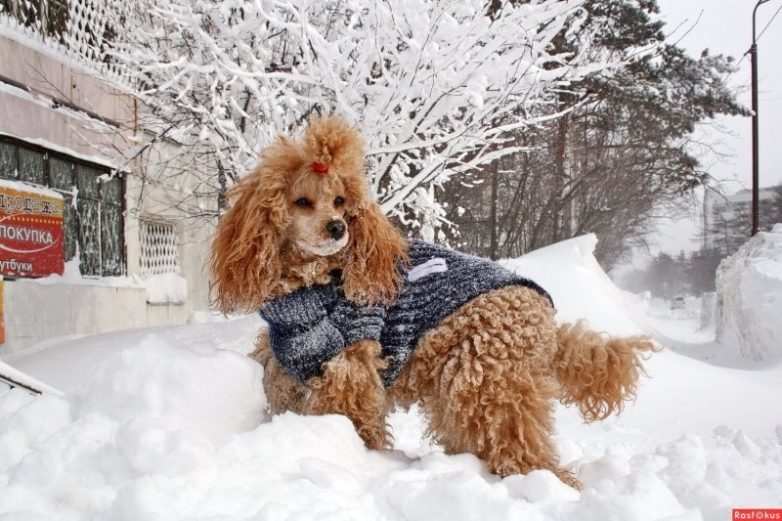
(312,325)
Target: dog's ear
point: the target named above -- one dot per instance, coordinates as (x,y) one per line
(245,258)
(375,250)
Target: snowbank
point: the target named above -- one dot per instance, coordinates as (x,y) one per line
(169,424)
(749,298)
(578,285)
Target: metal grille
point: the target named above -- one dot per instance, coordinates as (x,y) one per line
(77,29)
(159,248)
(94,225)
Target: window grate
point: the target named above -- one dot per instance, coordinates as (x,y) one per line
(93,221)
(159,248)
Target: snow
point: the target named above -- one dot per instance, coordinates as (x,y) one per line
(162,288)
(72,276)
(56,147)
(51,48)
(165,288)
(169,423)
(580,288)
(26,187)
(15,378)
(749,284)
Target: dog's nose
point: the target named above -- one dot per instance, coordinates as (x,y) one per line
(336,229)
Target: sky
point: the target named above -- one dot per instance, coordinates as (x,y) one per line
(725,27)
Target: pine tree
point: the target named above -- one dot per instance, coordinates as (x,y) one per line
(622,153)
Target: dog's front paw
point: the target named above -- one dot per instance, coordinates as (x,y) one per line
(376,437)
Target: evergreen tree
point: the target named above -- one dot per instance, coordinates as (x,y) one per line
(621,153)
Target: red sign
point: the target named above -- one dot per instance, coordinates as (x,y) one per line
(31,234)
(757,514)
(2,310)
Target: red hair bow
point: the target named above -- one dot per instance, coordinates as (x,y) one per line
(320,168)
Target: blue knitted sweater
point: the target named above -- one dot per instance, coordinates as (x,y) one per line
(312,325)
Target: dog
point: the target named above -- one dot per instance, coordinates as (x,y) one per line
(305,242)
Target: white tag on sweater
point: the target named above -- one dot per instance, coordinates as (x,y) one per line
(433,265)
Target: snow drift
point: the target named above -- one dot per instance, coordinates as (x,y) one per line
(749,298)
(580,288)
(168,424)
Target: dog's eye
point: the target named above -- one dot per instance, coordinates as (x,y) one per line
(339,201)
(303,202)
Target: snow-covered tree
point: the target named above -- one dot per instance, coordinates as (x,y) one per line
(435,86)
(621,159)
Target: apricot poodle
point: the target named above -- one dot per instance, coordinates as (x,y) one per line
(361,320)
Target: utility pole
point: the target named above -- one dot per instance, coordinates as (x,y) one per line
(753,52)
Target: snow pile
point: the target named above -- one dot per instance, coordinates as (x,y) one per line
(749,305)
(72,276)
(578,285)
(165,288)
(169,425)
(708,310)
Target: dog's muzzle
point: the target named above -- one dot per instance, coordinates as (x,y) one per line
(336,229)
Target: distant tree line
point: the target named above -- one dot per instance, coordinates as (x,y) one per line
(667,276)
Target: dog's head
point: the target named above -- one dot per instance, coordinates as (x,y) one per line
(307,199)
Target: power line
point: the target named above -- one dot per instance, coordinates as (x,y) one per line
(761,34)
(769,22)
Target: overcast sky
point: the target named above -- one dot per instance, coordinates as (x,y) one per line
(725,27)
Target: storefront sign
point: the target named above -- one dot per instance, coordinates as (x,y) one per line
(31,232)
(2,310)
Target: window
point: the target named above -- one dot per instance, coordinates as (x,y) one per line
(94,225)
(159,248)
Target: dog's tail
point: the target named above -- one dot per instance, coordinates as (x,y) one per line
(598,372)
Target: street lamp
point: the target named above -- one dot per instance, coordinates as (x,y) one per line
(753,51)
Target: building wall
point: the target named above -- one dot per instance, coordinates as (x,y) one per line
(727,218)
(95,120)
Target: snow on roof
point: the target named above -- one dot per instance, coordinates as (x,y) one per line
(26,187)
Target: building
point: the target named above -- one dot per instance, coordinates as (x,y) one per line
(727,219)
(68,131)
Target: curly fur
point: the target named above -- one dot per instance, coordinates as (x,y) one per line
(350,385)
(596,372)
(252,258)
(283,392)
(487,376)
(484,381)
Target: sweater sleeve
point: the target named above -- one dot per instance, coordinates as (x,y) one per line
(302,351)
(302,336)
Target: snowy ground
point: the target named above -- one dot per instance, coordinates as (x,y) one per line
(168,424)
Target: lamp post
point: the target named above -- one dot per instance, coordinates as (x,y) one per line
(753,52)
